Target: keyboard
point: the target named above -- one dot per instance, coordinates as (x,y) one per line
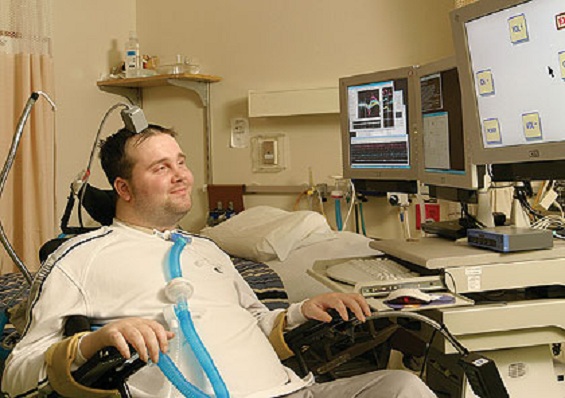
(370,268)
(377,276)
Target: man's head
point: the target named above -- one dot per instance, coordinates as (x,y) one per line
(149,174)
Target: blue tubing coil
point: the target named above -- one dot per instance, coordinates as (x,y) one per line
(172,373)
(204,358)
(187,326)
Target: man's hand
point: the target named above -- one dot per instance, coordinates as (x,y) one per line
(146,336)
(316,307)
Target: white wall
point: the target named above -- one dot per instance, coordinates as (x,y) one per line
(252,45)
(292,44)
(87,39)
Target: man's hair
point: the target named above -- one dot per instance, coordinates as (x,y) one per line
(113,157)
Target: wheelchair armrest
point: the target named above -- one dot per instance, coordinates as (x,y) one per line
(339,348)
(313,330)
(108,369)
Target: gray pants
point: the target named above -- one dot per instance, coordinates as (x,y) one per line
(380,384)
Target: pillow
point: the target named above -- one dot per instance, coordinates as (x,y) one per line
(265,233)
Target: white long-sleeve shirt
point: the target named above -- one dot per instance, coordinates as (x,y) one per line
(118,272)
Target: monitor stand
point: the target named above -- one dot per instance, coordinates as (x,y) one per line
(518,216)
(450,229)
(484,205)
(454,229)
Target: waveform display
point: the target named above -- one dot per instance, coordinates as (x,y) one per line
(369,105)
(391,153)
(388,107)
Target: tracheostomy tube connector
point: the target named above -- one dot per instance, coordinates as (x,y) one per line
(179,291)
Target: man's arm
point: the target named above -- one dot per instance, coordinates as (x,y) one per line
(56,298)
(146,336)
(317,307)
(298,313)
(43,358)
(275,323)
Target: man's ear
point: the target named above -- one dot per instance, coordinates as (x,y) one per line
(122,188)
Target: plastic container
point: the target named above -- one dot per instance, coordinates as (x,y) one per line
(182,65)
(192,65)
(133,57)
(171,69)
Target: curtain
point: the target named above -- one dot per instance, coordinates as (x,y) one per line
(27,205)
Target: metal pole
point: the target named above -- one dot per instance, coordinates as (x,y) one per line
(209,168)
(6,170)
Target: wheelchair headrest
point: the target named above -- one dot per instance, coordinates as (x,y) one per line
(100,204)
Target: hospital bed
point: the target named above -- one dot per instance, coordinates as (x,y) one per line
(288,243)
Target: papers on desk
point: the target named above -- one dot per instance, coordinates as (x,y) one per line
(437,300)
(441,300)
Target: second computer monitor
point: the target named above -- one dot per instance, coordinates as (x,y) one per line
(511,55)
(377,124)
(444,159)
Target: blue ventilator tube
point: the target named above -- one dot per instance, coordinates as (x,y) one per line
(362,218)
(172,373)
(338,214)
(168,367)
(174,255)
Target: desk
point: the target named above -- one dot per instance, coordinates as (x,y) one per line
(516,334)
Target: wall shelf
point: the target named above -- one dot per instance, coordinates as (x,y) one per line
(132,89)
(158,80)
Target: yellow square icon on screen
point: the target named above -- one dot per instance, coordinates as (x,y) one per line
(491,129)
(532,126)
(518,29)
(485,82)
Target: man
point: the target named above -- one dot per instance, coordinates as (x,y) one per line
(116,276)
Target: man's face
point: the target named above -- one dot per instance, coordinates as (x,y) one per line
(161,183)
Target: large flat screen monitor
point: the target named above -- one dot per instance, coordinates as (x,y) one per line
(377,124)
(511,57)
(444,158)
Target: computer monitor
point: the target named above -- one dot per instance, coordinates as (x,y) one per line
(444,160)
(377,124)
(511,59)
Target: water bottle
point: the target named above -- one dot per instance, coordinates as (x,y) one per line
(133,58)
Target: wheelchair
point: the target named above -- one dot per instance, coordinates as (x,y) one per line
(328,350)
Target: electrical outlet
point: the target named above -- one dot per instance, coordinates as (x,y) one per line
(269,152)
